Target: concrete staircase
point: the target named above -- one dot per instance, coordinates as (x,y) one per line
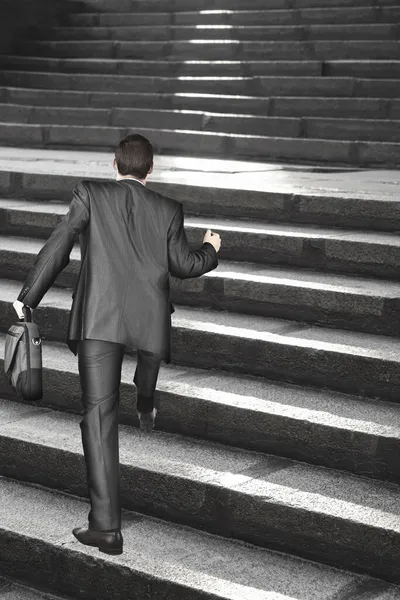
(274,472)
(293,80)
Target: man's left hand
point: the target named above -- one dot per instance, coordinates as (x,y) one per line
(18,306)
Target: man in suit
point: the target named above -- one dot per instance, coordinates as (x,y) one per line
(131,239)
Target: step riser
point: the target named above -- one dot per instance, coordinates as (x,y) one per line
(365,376)
(383,131)
(242,17)
(278,207)
(318,50)
(362,69)
(298,150)
(244,516)
(253,86)
(278,33)
(275,106)
(183,5)
(282,435)
(333,308)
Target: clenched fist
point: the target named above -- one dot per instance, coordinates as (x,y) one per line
(213,238)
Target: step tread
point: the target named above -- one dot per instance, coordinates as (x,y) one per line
(253,272)
(269,177)
(165,552)
(239,326)
(299,485)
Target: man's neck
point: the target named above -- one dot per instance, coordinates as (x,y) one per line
(122,177)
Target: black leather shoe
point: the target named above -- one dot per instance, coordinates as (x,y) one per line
(110,542)
(147,420)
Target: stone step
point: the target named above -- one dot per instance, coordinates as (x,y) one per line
(295,106)
(383,69)
(160,559)
(331,250)
(345,32)
(309,127)
(274,194)
(340,129)
(10,590)
(321,427)
(217,5)
(276,348)
(215,50)
(274,502)
(341,301)
(264,86)
(333,15)
(362,68)
(206,143)
(174,68)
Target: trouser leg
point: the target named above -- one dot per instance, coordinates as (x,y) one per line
(99,364)
(146,374)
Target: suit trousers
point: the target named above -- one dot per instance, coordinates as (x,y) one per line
(99,364)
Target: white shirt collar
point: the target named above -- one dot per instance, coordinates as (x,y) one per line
(134,179)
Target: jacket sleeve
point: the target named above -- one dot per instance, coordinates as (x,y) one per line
(184,262)
(54,255)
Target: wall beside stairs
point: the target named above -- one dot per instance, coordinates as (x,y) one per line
(25,17)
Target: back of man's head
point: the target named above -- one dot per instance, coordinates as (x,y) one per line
(134,156)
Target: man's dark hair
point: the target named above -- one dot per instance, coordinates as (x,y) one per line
(134,156)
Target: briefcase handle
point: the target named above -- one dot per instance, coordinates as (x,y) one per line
(27,314)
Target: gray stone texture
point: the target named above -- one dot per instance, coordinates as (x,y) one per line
(279,421)
(161,560)
(183,57)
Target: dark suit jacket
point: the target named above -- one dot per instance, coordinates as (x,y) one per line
(131,238)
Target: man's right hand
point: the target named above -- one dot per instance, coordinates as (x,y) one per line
(212,238)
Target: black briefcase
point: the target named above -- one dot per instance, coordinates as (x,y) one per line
(23,358)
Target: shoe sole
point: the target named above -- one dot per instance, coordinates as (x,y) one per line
(105,550)
(117,551)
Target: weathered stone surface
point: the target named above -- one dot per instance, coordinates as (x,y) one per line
(279,349)
(355,199)
(295,150)
(334,15)
(159,560)
(287,502)
(178,5)
(317,426)
(19,134)
(248,50)
(161,67)
(389,69)
(332,107)
(156,32)
(65,135)
(343,302)
(249,322)
(352,129)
